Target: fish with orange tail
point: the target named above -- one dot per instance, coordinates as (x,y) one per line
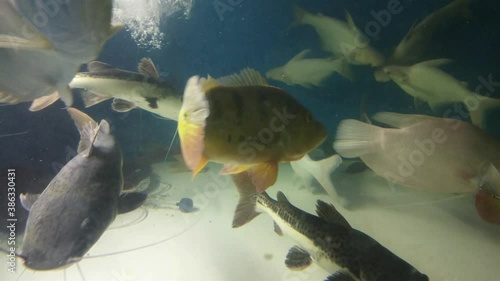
(244,123)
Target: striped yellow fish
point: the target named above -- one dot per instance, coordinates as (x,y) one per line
(244,123)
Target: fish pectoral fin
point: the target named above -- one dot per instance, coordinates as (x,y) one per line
(87,127)
(246,77)
(328,213)
(66,95)
(277,229)
(91,98)
(340,276)
(298,259)
(18,43)
(434,62)
(146,67)
(27,200)
(97,66)
(263,175)
(120,105)
(436,105)
(43,102)
(152,102)
(300,55)
(130,201)
(234,169)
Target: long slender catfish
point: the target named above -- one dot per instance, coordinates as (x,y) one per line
(144,89)
(326,239)
(82,200)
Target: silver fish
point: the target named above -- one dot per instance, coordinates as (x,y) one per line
(326,239)
(43,44)
(144,89)
(82,200)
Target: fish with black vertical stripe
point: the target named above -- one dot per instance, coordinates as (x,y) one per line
(244,123)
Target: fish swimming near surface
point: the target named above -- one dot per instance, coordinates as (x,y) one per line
(309,72)
(423,36)
(423,152)
(39,59)
(82,200)
(143,89)
(425,81)
(327,239)
(341,38)
(245,124)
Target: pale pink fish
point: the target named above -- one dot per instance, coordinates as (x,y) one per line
(428,153)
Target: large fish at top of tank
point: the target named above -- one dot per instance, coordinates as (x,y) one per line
(43,44)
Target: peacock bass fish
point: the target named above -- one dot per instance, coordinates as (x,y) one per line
(244,123)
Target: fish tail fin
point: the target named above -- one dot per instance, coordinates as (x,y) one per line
(477,111)
(246,208)
(355,138)
(321,171)
(87,127)
(298,16)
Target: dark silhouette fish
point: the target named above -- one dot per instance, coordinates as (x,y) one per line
(327,239)
(82,200)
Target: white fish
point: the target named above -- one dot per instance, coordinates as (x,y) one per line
(144,89)
(426,82)
(43,44)
(341,38)
(320,170)
(423,152)
(309,72)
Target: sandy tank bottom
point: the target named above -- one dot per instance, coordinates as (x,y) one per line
(441,237)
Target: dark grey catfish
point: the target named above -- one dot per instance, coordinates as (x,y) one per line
(327,239)
(82,200)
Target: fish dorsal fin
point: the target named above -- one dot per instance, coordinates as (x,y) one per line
(246,77)
(146,67)
(301,55)
(397,120)
(28,199)
(88,129)
(208,83)
(435,62)
(328,213)
(282,198)
(410,31)
(96,66)
(350,22)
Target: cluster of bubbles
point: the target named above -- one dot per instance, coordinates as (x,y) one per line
(143,18)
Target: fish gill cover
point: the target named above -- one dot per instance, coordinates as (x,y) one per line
(143,19)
